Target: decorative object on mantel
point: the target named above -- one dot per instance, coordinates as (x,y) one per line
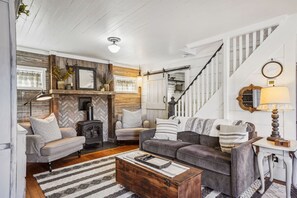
(85,78)
(272,69)
(61,75)
(274,99)
(249,98)
(40,96)
(114,48)
(105,79)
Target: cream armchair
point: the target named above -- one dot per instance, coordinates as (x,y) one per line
(39,151)
(132,133)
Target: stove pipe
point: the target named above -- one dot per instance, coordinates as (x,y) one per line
(90,114)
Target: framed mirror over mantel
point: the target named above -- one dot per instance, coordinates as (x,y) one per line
(249,98)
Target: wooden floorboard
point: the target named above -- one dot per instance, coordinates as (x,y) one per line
(32,188)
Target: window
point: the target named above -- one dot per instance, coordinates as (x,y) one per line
(125,84)
(31,78)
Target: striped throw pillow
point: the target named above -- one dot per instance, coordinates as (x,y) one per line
(166,129)
(231,136)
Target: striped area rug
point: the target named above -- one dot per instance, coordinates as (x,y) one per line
(96,178)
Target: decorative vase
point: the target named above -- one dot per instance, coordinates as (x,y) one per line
(61,84)
(68,86)
(106,87)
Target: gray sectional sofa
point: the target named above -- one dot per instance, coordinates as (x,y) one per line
(229,173)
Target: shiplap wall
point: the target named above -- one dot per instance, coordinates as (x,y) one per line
(130,101)
(100,68)
(41,108)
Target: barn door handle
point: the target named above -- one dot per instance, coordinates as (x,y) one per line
(164,99)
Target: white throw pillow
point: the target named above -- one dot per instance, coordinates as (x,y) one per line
(166,129)
(47,128)
(231,136)
(132,119)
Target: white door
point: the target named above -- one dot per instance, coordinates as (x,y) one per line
(7,99)
(157,92)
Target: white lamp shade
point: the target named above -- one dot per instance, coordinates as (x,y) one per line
(275,98)
(114,48)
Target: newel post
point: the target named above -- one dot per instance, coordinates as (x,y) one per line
(171,109)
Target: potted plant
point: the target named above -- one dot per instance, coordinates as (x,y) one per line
(105,80)
(61,75)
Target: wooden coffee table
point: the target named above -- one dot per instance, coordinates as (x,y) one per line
(146,182)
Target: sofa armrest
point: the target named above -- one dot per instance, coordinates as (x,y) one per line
(146,124)
(119,125)
(68,132)
(33,144)
(146,135)
(244,168)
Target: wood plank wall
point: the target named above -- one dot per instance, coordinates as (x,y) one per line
(100,67)
(131,101)
(42,108)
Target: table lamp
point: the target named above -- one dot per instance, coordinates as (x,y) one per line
(274,99)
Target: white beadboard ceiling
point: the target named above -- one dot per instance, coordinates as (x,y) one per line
(152,31)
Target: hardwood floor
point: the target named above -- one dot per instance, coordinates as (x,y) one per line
(33,189)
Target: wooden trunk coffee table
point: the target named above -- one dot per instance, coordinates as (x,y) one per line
(146,182)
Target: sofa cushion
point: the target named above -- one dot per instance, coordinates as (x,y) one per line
(47,128)
(61,145)
(132,119)
(166,148)
(129,132)
(209,141)
(166,129)
(231,136)
(189,136)
(206,158)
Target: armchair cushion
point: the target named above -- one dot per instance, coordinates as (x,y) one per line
(59,146)
(132,119)
(47,128)
(68,132)
(33,144)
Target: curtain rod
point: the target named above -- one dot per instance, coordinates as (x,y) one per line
(166,70)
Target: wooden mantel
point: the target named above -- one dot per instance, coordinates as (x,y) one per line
(80,92)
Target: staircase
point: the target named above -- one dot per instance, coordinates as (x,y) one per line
(209,80)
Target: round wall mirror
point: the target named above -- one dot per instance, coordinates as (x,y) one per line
(249,98)
(272,69)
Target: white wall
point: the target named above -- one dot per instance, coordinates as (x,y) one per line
(196,64)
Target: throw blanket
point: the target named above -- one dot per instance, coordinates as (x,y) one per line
(207,126)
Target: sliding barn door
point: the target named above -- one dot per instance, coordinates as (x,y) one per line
(157,92)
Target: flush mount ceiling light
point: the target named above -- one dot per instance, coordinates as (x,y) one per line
(114,48)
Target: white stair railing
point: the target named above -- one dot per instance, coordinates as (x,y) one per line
(201,89)
(209,79)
